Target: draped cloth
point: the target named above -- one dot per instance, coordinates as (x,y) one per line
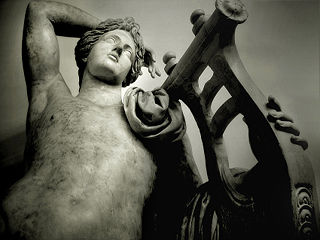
(160,121)
(152,116)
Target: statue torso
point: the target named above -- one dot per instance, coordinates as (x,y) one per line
(89,175)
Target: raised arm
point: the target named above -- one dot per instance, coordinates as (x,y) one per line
(40,50)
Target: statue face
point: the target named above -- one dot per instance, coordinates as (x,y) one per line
(111,57)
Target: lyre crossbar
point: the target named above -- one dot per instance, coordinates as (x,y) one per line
(277,197)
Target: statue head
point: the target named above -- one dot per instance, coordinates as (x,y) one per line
(90,38)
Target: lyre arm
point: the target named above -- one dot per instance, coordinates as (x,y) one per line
(211,35)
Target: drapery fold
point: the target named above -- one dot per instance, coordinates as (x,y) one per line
(153,116)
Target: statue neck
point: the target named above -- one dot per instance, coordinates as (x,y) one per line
(99,92)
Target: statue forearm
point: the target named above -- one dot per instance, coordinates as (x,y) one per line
(66,20)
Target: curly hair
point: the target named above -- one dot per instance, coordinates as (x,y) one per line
(90,38)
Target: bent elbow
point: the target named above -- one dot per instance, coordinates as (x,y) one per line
(36,8)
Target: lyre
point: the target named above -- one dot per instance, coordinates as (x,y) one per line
(277,197)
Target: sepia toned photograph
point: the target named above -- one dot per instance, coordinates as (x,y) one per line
(172,119)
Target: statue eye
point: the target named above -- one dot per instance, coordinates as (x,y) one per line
(111,40)
(128,51)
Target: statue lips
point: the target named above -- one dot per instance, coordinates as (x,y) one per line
(114,57)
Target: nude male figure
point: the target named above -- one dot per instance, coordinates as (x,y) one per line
(88,175)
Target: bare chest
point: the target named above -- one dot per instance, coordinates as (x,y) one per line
(87,139)
(84,131)
(88,165)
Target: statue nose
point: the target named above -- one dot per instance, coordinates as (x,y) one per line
(118,50)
